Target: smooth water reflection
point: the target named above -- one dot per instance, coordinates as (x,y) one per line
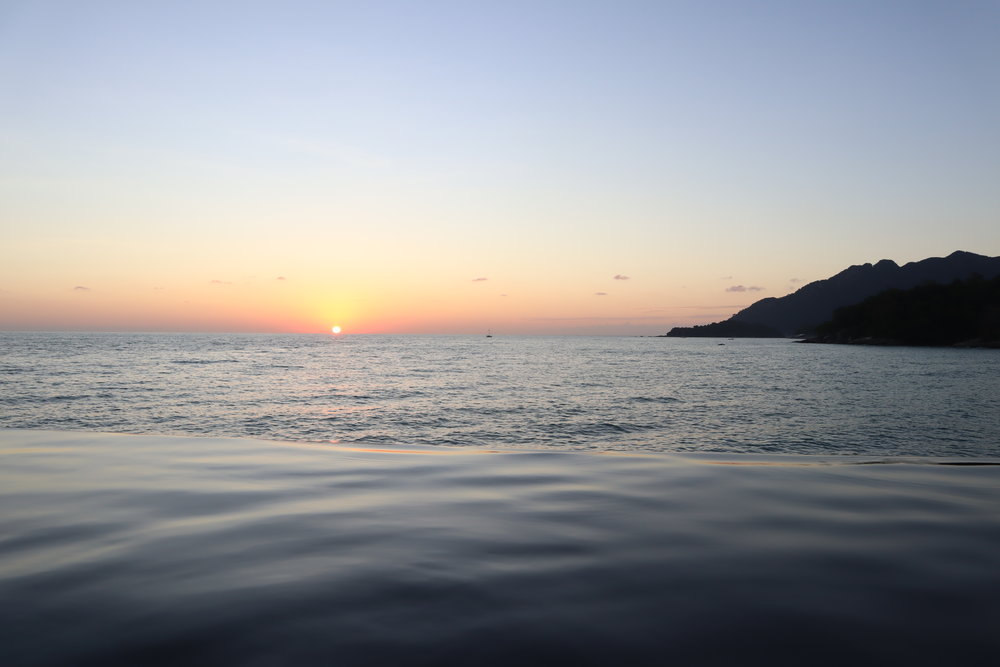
(152,550)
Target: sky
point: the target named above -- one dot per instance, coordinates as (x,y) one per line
(542,167)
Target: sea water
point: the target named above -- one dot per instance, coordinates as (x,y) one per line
(562,393)
(153,550)
(382,500)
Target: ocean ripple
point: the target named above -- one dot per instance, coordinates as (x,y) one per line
(153,550)
(580,393)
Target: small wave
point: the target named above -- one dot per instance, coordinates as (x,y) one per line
(348,396)
(335,410)
(602,428)
(655,399)
(205,361)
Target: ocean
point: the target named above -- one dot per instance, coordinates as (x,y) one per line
(442,500)
(561,393)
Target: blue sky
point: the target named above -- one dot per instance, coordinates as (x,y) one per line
(387,153)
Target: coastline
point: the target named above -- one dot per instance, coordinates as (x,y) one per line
(833,339)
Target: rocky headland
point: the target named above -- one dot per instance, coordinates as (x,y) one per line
(801,313)
(963,313)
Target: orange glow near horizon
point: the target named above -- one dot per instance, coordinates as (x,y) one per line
(550,201)
(363,300)
(299,305)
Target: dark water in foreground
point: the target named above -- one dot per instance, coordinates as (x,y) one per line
(561,393)
(196,551)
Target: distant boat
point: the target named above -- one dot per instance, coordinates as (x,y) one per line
(489,334)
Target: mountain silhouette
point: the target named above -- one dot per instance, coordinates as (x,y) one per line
(803,310)
(964,313)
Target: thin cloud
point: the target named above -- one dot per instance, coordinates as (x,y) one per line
(503,295)
(221,282)
(281,278)
(600,293)
(726,278)
(81,288)
(743,288)
(794,280)
(479,280)
(619,276)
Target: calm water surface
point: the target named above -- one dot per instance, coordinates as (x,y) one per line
(565,393)
(152,550)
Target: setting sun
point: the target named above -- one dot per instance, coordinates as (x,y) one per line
(335,329)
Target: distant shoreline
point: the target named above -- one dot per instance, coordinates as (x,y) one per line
(977,343)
